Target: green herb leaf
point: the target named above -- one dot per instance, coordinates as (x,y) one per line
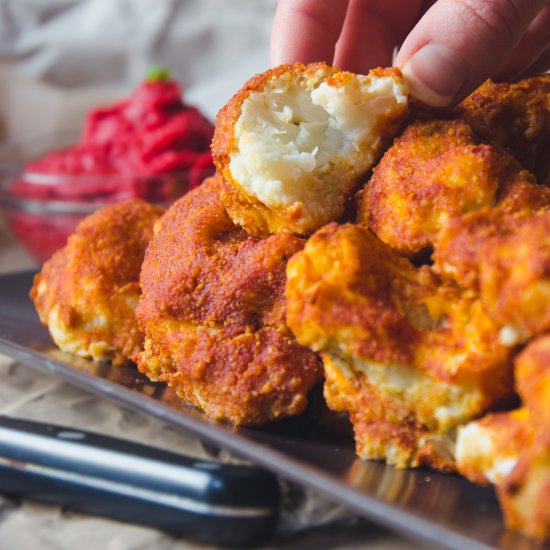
(157,74)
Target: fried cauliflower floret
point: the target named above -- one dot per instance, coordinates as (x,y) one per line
(514,275)
(487,450)
(435,170)
(409,358)
(511,450)
(532,371)
(457,253)
(293,144)
(524,493)
(213,313)
(87,292)
(515,116)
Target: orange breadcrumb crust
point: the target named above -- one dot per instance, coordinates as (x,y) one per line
(525,493)
(515,116)
(353,299)
(514,275)
(457,253)
(93,282)
(434,171)
(213,312)
(511,432)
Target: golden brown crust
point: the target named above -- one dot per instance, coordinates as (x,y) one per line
(86,293)
(214,315)
(435,170)
(342,279)
(384,428)
(249,212)
(499,439)
(533,383)
(398,346)
(349,290)
(456,254)
(515,116)
(524,494)
(515,277)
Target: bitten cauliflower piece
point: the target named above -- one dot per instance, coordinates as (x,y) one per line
(293,144)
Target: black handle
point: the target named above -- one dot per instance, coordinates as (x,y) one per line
(225,504)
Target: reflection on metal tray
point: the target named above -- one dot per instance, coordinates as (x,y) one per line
(445,510)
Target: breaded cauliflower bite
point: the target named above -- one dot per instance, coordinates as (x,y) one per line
(87,292)
(457,253)
(514,279)
(294,143)
(213,312)
(435,170)
(512,450)
(487,450)
(515,116)
(408,357)
(525,493)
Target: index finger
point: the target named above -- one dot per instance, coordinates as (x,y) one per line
(306,30)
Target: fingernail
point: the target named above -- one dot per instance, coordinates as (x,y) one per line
(435,75)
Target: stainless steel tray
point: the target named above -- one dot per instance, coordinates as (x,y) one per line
(444,510)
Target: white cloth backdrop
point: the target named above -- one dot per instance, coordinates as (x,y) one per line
(212,46)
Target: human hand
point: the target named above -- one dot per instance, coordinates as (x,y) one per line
(447,47)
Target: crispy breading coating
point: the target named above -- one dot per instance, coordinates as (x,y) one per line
(87,292)
(408,357)
(524,494)
(456,255)
(533,382)
(213,312)
(487,450)
(514,278)
(511,450)
(435,170)
(515,116)
(295,141)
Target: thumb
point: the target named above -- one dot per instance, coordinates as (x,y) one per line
(459,43)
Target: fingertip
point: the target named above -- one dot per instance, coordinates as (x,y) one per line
(421,92)
(457,45)
(435,75)
(306,30)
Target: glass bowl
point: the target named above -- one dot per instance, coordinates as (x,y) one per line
(42,210)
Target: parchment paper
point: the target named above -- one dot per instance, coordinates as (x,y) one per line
(308,520)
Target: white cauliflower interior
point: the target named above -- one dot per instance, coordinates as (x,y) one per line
(479,449)
(438,404)
(89,333)
(308,140)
